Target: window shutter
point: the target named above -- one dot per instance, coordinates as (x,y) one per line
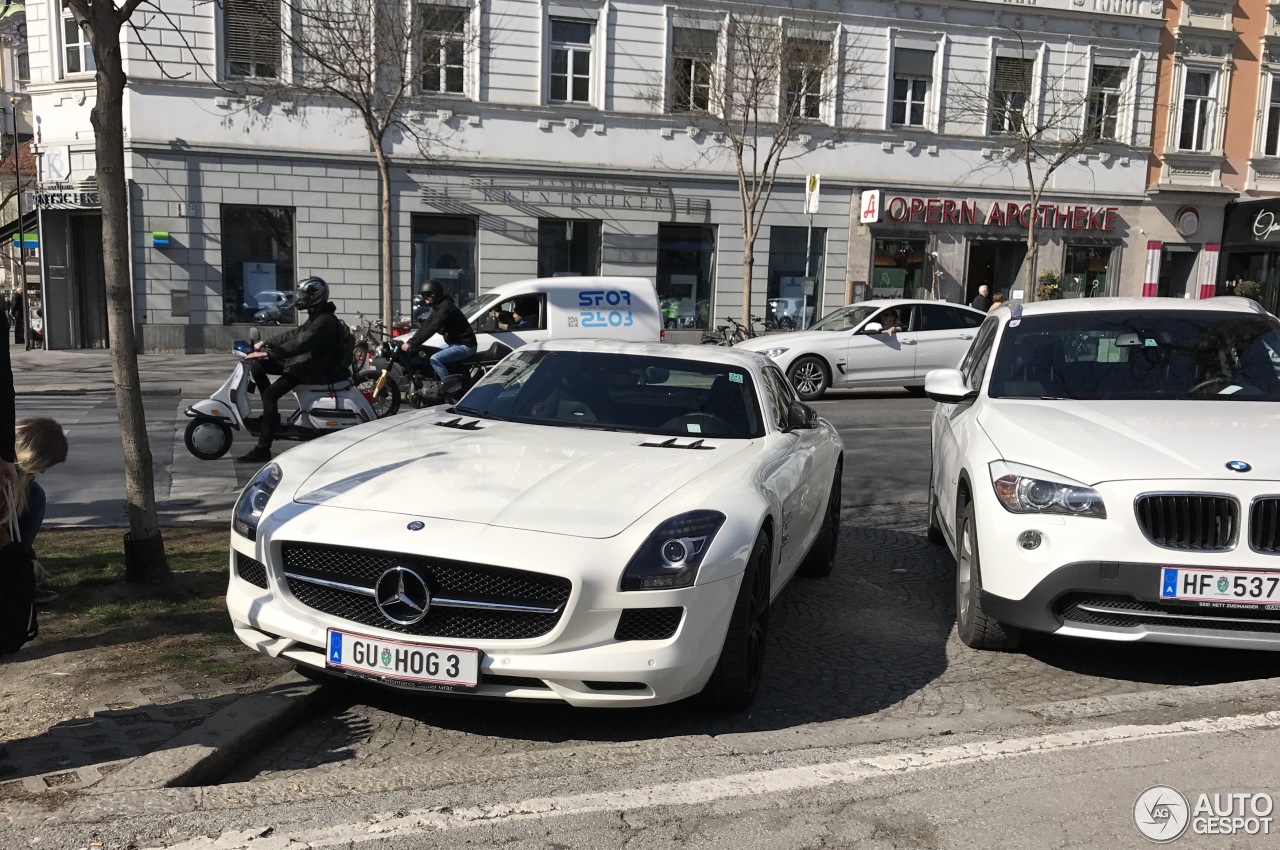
(253,32)
(1013,75)
(913,63)
(695,42)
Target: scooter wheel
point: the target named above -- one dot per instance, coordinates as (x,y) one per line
(208,439)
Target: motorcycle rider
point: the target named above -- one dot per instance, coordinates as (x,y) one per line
(309,354)
(446,319)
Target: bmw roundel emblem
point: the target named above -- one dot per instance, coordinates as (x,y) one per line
(417,525)
(1238,466)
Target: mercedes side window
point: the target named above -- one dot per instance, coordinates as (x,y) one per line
(975,362)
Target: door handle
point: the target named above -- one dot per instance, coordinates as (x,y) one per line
(908,342)
(966,336)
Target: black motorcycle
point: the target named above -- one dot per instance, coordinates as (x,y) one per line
(396,376)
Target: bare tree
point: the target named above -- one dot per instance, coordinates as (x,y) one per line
(103,22)
(391,63)
(1077,109)
(775,96)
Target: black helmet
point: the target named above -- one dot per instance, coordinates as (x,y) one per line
(311,292)
(431,290)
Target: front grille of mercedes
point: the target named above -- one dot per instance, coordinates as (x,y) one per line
(1194,522)
(1127,612)
(478,593)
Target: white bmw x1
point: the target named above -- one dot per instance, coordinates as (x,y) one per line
(1110,469)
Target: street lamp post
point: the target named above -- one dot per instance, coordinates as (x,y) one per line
(22,236)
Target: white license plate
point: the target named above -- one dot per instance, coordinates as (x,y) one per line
(1197,585)
(431,667)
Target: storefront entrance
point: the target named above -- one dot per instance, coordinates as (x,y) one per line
(89,284)
(995,265)
(1176,269)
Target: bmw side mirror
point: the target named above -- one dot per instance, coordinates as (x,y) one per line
(948,386)
(801,417)
(872,328)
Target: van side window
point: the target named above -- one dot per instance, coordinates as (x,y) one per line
(518,313)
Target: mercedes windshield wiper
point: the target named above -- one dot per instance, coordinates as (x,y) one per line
(483,414)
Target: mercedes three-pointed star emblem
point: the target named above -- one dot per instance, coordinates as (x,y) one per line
(402,596)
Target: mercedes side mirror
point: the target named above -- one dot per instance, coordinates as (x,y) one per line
(801,416)
(872,328)
(947,386)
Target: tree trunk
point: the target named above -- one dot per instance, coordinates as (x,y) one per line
(748,258)
(384,247)
(1033,254)
(144,544)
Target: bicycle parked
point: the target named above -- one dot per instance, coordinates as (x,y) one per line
(732,333)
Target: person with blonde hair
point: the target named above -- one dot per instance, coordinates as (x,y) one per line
(996,301)
(39,443)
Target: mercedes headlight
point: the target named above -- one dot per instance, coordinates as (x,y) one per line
(774,352)
(253,501)
(1027,490)
(670,557)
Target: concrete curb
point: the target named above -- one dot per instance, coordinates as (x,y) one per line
(203,754)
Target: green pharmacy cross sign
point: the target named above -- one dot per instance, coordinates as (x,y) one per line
(26,240)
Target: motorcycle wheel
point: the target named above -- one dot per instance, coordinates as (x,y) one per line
(208,439)
(388,401)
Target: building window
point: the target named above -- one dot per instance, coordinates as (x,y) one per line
(694,52)
(24,67)
(795,286)
(806,62)
(568,247)
(686,270)
(1271,145)
(257,265)
(78,52)
(1084,272)
(898,269)
(252,38)
(571,61)
(1198,107)
(444,249)
(912,74)
(443,49)
(1105,86)
(1010,91)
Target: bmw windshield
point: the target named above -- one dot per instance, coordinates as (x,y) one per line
(619,392)
(1140,354)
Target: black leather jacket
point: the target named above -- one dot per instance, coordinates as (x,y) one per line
(447,319)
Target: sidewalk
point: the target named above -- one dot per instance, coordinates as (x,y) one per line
(89,371)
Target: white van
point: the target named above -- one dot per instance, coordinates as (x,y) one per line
(525,311)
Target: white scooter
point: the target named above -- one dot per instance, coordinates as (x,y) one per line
(322,409)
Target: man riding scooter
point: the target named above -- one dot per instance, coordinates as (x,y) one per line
(310,353)
(445,319)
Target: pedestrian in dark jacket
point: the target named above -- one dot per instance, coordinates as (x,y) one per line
(8,415)
(309,354)
(445,319)
(18,316)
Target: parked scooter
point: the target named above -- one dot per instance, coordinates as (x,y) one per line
(396,376)
(322,409)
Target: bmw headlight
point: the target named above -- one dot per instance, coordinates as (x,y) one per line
(670,557)
(1027,490)
(774,352)
(253,501)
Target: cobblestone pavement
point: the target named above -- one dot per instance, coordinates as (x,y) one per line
(873,641)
